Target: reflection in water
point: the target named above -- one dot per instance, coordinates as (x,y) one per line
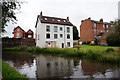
(53,67)
(45,66)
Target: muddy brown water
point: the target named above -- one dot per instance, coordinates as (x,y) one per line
(49,66)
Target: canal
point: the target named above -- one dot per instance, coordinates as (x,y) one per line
(49,66)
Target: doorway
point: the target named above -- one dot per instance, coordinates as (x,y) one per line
(62,45)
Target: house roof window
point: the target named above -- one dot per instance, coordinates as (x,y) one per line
(58,20)
(45,18)
(64,20)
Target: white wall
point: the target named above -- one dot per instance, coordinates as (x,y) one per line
(41,31)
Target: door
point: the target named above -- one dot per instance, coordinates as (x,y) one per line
(54,44)
(62,45)
(51,44)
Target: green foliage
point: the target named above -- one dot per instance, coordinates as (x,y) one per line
(92,43)
(110,50)
(113,38)
(10,73)
(8,12)
(75,33)
(87,51)
(86,42)
(5,37)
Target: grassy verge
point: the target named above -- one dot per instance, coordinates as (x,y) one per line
(10,73)
(100,53)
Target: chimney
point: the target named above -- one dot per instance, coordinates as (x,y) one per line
(82,21)
(101,20)
(41,14)
(89,18)
(68,18)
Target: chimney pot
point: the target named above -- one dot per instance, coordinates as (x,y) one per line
(89,18)
(68,18)
(101,20)
(41,14)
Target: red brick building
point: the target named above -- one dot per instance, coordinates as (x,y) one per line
(20,33)
(91,30)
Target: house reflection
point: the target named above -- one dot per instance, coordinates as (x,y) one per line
(53,67)
(18,60)
(91,68)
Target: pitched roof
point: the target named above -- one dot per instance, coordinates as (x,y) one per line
(20,28)
(100,22)
(54,20)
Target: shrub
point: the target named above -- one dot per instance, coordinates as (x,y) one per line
(92,43)
(109,50)
(86,42)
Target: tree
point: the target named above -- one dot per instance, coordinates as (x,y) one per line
(8,12)
(113,38)
(75,33)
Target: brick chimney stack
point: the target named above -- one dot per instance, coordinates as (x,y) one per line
(68,18)
(101,20)
(41,14)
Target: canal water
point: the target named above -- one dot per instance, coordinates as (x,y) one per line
(49,66)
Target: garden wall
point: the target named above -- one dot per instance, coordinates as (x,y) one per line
(11,42)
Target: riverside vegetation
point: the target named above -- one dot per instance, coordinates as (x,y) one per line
(99,53)
(9,73)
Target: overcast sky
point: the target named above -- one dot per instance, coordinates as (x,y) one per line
(77,10)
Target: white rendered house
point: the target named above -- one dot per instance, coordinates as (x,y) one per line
(54,32)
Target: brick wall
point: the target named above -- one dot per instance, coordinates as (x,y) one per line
(11,42)
(86,30)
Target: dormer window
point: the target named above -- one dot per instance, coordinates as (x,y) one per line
(53,20)
(64,20)
(58,20)
(45,18)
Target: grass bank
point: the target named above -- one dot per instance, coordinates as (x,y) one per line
(99,53)
(9,73)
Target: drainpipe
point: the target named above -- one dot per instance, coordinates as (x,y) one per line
(64,38)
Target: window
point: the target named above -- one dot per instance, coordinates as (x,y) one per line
(29,32)
(61,29)
(18,29)
(29,36)
(103,26)
(68,44)
(68,29)
(45,18)
(55,36)
(48,28)
(68,36)
(58,20)
(97,30)
(61,35)
(48,36)
(18,34)
(55,29)
(106,26)
(94,25)
(103,30)
(94,30)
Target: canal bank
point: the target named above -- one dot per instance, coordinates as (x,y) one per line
(9,72)
(100,53)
